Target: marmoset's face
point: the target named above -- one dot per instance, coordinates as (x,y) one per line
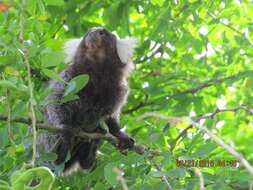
(98,38)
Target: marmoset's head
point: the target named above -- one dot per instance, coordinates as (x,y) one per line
(99,43)
(99,38)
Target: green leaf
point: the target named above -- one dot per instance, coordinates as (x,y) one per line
(70,88)
(69,98)
(118,14)
(55,2)
(197,45)
(205,150)
(53,75)
(132,158)
(99,186)
(157,174)
(20,148)
(154,137)
(7,84)
(52,59)
(176,173)
(76,84)
(109,174)
(158,2)
(4,185)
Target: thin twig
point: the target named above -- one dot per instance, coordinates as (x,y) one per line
(17,120)
(206,84)
(184,132)
(201,178)
(120,178)
(141,104)
(171,119)
(219,140)
(7,94)
(58,29)
(164,177)
(213,82)
(158,50)
(227,147)
(251,185)
(26,62)
(211,116)
(235,109)
(231,28)
(8,107)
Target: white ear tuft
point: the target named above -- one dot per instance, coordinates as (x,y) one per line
(70,48)
(125,48)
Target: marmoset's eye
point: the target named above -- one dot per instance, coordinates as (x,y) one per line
(101,32)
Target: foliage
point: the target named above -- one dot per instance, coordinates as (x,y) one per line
(21,178)
(193,56)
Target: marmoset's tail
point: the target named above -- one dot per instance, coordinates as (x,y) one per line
(83,156)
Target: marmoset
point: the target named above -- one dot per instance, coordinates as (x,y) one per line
(107,61)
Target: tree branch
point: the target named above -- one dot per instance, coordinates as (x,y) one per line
(211,116)
(201,178)
(227,147)
(8,109)
(194,90)
(141,104)
(213,82)
(217,139)
(230,27)
(171,119)
(140,149)
(24,52)
(164,177)
(120,178)
(158,50)
(235,109)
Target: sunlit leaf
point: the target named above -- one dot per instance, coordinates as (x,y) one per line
(76,84)
(7,84)
(55,2)
(110,175)
(52,59)
(51,74)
